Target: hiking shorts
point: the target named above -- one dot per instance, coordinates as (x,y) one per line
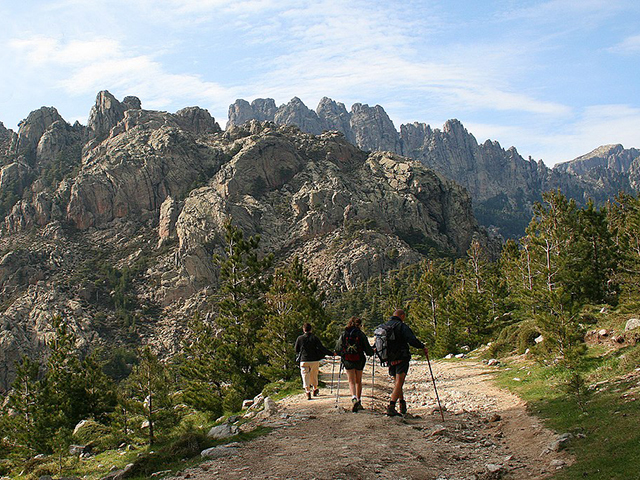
(359,365)
(402,367)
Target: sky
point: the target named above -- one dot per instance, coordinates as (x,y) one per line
(554,78)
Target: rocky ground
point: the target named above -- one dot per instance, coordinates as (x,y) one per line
(486,433)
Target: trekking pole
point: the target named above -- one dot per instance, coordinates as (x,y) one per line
(333,370)
(434,384)
(373,379)
(338,394)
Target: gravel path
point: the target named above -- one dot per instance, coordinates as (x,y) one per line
(487,433)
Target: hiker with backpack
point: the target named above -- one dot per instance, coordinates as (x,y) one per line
(309,352)
(354,347)
(393,339)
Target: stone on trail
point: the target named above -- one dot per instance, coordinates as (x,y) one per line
(493,362)
(219,451)
(557,464)
(270,406)
(561,442)
(223,431)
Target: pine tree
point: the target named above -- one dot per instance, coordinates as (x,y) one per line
(149,390)
(203,387)
(292,299)
(623,217)
(239,316)
(427,308)
(23,401)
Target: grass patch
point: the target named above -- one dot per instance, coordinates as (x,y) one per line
(609,439)
(279,390)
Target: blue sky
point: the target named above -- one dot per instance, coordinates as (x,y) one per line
(553,78)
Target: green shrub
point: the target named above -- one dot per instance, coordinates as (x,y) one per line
(232,400)
(514,338)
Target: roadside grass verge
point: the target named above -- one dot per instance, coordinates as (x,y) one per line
(605,426)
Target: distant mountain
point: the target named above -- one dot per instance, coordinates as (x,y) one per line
(502,184)
(113,225)
(613,161)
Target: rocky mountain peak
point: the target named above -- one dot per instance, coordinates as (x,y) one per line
(612,157)
(197,120)
(107,113)
(31,129)
(296,113)
(7,138)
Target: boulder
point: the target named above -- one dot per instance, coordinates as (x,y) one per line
(225,430)
(632,324)
(219,451)
(561,442)
(270,406)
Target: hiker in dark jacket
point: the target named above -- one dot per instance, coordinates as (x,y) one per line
(309,352)
(354,347)
(399,364)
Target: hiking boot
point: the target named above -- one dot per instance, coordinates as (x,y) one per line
(403,407)
(354,408)
(316,392)
(359,406)
(391,411)
(308,395)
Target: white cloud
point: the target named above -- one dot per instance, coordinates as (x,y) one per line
(47,50)
(339,57)
(94,65)
(630,45)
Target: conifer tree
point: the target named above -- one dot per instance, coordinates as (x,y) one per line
(149,390)
(239,315)
(428,307)
(623,217)
(292,299)
(24,401)
(203,387)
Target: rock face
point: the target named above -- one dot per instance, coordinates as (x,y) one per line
(502,184)
(609,163)
(31,129)
(150,192)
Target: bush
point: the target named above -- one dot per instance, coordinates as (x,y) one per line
(232,400)
(514,338)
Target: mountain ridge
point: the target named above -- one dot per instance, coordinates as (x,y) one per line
(503,184)
(144,195)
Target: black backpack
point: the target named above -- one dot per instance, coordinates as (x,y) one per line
(351,345)
(387,342)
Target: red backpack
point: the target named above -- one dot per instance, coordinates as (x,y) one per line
(351,345)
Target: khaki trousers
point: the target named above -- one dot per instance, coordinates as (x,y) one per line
(309,373)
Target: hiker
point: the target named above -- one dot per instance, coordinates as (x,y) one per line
(399,356)
(354,347)
(309,352)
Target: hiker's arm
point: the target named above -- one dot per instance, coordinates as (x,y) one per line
(324,351)
(368,349)
(337,348)
(411,338)
(298,345)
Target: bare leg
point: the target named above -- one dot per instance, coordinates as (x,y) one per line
(358,383)
(397,387)
(351,376)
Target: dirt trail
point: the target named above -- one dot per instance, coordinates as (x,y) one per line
(487,433)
